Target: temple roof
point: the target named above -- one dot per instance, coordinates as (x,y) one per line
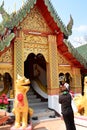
(46,8)
(53,20)
(21,14)
(83,51)
(77,55)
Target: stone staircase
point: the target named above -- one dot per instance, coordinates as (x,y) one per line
(41,110)
(39,105)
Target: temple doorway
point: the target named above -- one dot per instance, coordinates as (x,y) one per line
(66,78)
(5,83)
(35,70)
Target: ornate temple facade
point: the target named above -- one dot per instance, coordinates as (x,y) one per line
(34,43)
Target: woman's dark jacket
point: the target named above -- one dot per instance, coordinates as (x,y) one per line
(65,101)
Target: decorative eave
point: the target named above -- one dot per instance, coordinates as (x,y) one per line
(83,50)
(6,41)
(76,54)
(66,30)
(13,20)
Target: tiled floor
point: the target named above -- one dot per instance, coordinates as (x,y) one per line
(53,124)
(81,120)
(56,124)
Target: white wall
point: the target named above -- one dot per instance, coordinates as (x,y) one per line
(53,103)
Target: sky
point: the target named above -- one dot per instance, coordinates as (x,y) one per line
(65,8)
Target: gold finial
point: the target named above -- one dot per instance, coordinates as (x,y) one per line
(22,3)
(15,7)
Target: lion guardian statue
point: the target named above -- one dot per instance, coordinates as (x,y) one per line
(21,108)
(81,101)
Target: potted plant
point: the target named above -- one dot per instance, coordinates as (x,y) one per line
(3,101)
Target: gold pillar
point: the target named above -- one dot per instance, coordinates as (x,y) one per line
(52,67)
(76,80)
(18,58)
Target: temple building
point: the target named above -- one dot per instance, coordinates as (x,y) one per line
(34,43)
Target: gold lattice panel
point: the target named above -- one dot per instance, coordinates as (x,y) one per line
(76,77)
(18,58)
(53,61)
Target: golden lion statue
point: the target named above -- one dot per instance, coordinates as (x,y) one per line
(80,100)
(21,109)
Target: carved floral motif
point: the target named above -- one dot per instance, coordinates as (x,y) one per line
(35,21)
(35,39)
(62,60)
(7,56)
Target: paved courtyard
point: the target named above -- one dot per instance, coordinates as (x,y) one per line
(56,124)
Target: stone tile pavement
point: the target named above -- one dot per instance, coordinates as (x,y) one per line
(52,124)
(55,124)
(5,127)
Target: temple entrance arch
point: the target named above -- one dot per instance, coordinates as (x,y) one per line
(35,69)
(66,77)
(5,83)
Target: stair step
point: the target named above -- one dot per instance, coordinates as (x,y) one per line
(31,96)
(36,100)
(45,113)
(41,110)
(40,104)
(30,93)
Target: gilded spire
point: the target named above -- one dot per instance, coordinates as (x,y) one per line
(15,7)
(22,3)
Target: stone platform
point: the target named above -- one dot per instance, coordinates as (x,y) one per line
(27,128)
(5,127)
(81,120)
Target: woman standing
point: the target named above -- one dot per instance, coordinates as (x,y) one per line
(67,111)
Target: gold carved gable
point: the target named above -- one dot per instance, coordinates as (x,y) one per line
(35,21)
(7,56)
(62,60)
(35,44)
